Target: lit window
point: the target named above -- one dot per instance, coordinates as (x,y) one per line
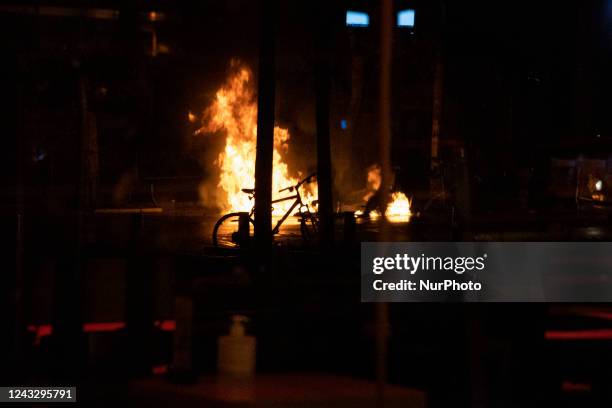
(405,18)
(357,19)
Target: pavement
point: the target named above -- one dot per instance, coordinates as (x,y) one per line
(190,229)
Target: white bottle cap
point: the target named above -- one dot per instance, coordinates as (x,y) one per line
(237,328)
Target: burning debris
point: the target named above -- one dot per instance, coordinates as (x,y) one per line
(374,179)
(397,210)
(233,113)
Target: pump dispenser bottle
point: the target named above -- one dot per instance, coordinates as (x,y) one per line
(236,353)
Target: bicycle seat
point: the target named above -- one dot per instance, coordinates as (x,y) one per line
(248,190)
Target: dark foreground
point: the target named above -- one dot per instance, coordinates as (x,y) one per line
(317,343)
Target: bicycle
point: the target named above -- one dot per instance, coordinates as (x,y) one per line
(226,232)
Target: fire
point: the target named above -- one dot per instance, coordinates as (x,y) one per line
(234,112)
(374,180)
(399,208)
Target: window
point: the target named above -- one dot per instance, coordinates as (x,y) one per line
(405,18)
(357,19)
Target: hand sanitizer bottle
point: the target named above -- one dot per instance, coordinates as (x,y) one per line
(236,355)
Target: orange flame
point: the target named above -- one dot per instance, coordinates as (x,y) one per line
(234,111)
(398,209)
(374,180)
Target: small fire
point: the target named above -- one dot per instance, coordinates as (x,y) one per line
(398,209)
(234,112)
(374,180)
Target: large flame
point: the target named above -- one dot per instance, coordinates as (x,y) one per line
(234,112)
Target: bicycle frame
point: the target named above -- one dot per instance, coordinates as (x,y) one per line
(304,213)
(296,203)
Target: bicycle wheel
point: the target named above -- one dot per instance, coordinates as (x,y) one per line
(225,232)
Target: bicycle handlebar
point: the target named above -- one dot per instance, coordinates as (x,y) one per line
(306,180)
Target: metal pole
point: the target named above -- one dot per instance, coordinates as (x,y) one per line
(265,124)
(437,113)
(322,89)
(386,40)
(18,289)
(382,309)
(139,299)
(435,181)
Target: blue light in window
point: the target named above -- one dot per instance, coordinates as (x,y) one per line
(357,19)
(405,18)
(343,124)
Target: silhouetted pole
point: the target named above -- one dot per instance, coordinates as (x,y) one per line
(435,180)
(436,119)
(18,288)
(67,316)
(139,300)
(322,90)
(384,102)
(265,124)
(382,309)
